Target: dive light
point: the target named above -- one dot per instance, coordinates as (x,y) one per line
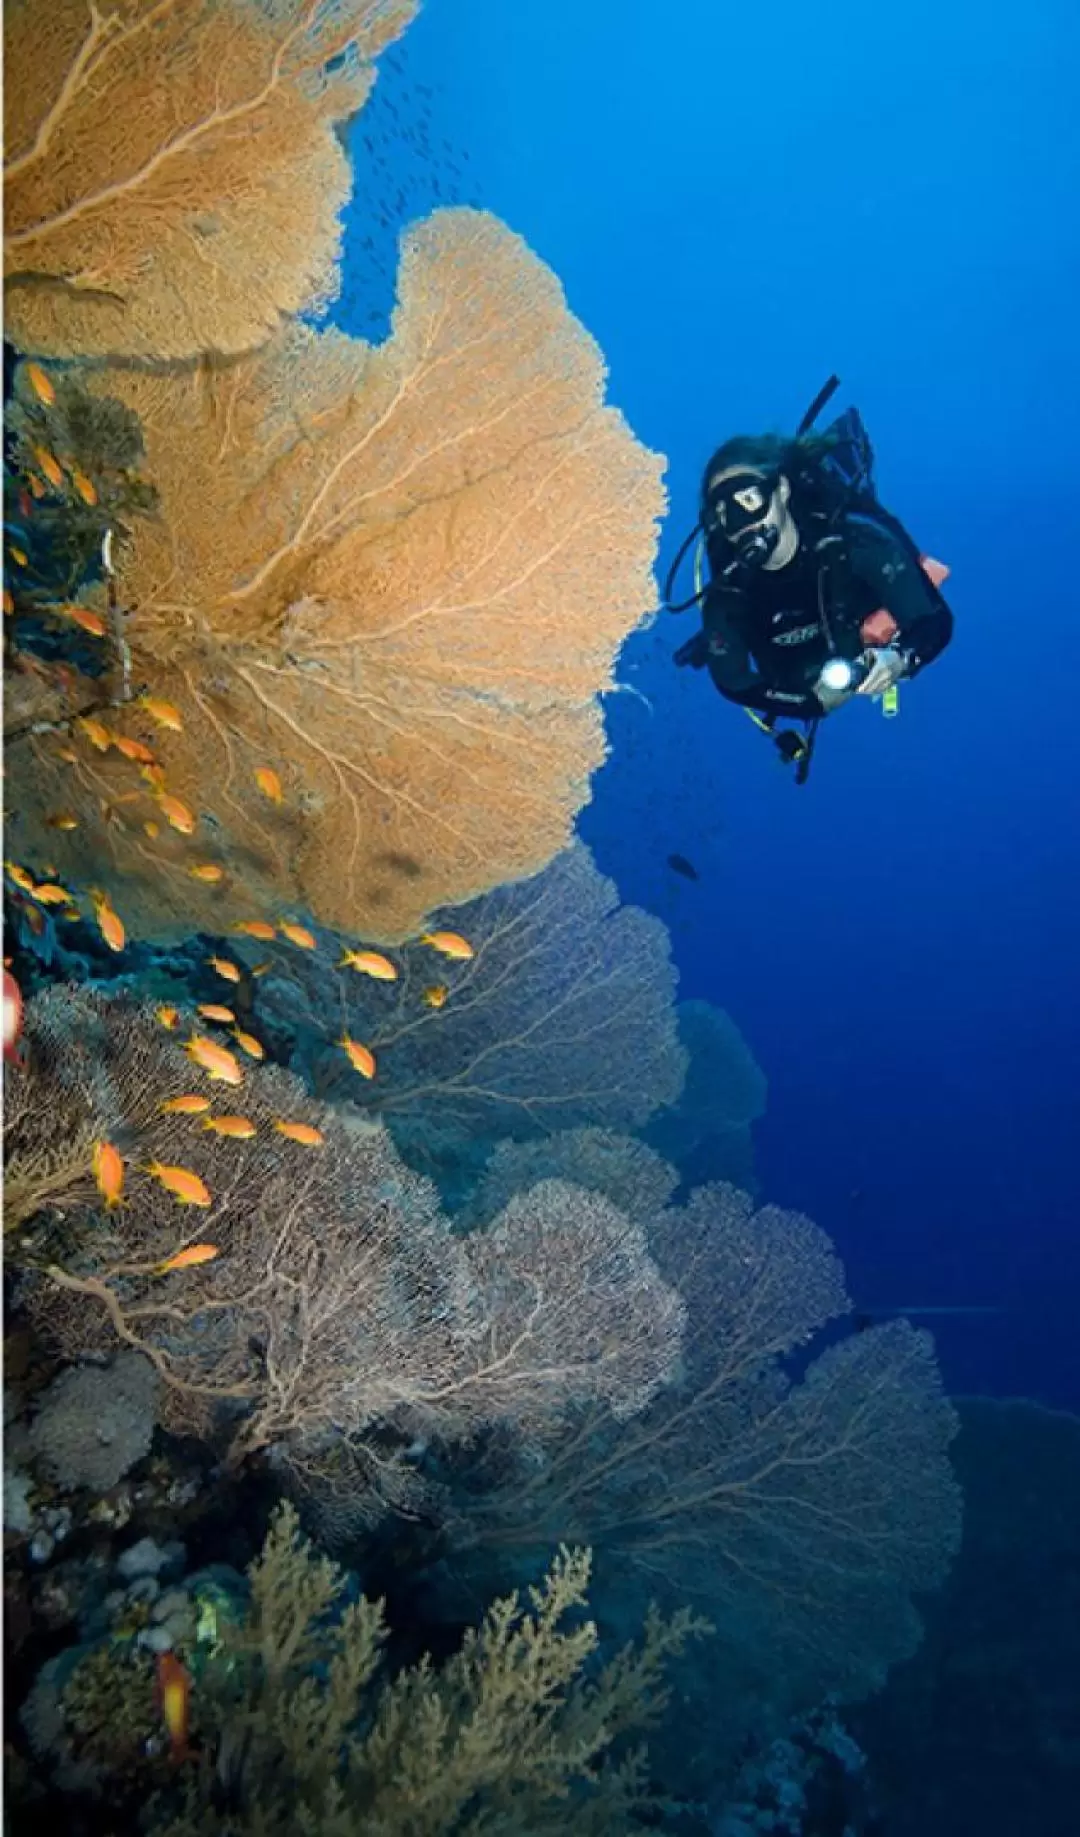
(840,674)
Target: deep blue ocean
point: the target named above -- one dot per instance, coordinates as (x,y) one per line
(740,202)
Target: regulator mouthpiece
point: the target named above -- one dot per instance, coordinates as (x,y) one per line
(755,546)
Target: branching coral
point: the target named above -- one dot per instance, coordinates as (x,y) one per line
(173,181)
(397,578)
(340,1308)
(802,1514)
(513,1734)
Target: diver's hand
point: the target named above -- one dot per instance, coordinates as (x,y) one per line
(887,666)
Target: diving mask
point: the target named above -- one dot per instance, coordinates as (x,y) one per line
(740,506)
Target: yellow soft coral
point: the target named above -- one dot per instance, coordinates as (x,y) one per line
(517,1732)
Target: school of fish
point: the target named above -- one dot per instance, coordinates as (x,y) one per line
(52,472)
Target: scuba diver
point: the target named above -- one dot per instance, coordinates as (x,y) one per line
(816,594)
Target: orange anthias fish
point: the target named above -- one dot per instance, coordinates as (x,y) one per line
(361,1058)
(188,1105)
(109,1173)
(176,813)
(216,1011)
(269,784)
(241,1128)
(63,819)
(208,871)
(435,996)
(87,619)
(173,1690)
(95,731)
(135,750)
(168,1016)
(110,924)
(163,713)
(83,485)
(184,1186)
(217,1061)
(369,963)
(450,943)
(301,1132)
(49,894)
(189,1258)
(231,972)
(249,1044)
(40,384)
(256,928)
(20,876)
(299,935)
(49,465)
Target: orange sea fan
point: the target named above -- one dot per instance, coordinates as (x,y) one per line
(398,576)
(172,179)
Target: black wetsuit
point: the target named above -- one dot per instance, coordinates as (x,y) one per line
(767,637)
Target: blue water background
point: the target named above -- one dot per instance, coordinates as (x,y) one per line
(738,201)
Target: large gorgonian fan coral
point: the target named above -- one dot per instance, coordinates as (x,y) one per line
(623,1168)
(172,179)
(339,1313)
(398,578)
(706,1134)
(802,1508)
(563,1015)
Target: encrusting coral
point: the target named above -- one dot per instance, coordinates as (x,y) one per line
(136,228)
(94,1422)
(396,579)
